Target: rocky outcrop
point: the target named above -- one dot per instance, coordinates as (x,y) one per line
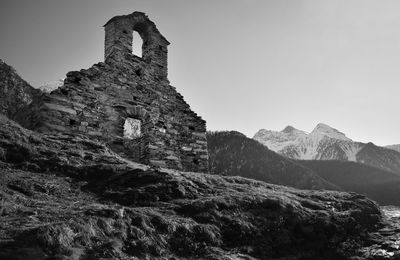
(15,93)
(384,243)
(68,197)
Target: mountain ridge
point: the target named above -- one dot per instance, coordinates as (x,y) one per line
(328,143)
(232,153)
(395,147)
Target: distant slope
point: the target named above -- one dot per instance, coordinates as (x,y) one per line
(380,157)
(395,147)
(232,153)
(380,185)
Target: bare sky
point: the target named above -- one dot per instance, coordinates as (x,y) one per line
(241,64)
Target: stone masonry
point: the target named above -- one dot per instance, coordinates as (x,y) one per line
(127,102)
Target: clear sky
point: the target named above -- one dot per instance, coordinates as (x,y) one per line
(241,64)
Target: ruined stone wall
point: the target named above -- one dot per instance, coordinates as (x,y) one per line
(97,101)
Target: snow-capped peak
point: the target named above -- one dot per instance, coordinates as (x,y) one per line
(323,143)
(289,129)
(326,130)
(276,141)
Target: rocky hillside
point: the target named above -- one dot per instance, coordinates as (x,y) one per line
(15,93)
(327,143)
(232,153)
(68,197)
(379,185)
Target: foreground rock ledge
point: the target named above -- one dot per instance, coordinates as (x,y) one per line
(67,197)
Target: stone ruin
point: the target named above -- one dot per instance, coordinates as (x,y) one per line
(127,102)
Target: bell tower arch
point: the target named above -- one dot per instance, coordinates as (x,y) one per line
(119,39)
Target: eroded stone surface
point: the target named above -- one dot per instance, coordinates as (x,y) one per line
(385,242)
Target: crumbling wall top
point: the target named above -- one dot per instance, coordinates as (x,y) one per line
(119,39)
(137,17)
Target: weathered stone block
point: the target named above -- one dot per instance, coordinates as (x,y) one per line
(159,163)
(172,158)
(186,149)
(60,108)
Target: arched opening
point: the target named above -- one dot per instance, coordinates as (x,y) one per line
(137,44)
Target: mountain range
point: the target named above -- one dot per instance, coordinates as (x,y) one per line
(328,143)
(232,153)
